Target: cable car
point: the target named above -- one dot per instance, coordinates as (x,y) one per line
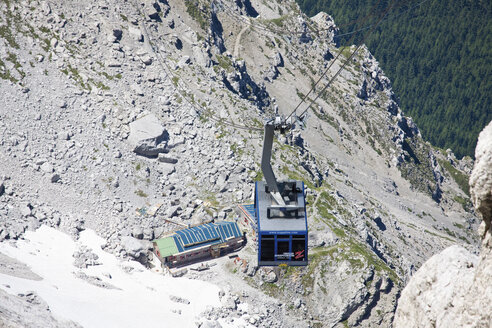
(280,210)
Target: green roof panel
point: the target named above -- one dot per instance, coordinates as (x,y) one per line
(167,246)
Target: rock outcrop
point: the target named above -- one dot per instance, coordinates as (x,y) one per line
(481,182)
(148,136)
(452,289)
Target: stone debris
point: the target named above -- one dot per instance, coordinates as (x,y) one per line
(84,258)
(94,131)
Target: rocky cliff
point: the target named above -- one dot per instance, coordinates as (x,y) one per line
(452,289)
(134,118)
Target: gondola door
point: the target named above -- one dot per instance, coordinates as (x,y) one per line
(283,248)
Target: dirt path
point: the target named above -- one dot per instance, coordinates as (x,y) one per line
(238,41)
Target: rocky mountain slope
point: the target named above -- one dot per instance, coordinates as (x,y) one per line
(131,118)
(452,288)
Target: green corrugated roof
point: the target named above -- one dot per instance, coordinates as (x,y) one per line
(167,246)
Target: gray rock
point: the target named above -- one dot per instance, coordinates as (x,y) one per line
(146,59)
(138,232)
(47,167)
(166,159)
(452,289)
(167,169)
(271,277)
(135,33)
(432,293)
(178,299)
(135,248)
(116,34)
(2,188)
(55,178)
(229,302)
(85,257)
(25,209)
(481,179)
(113,63)
(147,136)
(33,223)
(185,60)
(278,61)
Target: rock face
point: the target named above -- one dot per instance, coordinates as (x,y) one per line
(434,290)
(452,289)
(481,180)
(148,136)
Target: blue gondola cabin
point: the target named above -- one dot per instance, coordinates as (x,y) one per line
(282,229)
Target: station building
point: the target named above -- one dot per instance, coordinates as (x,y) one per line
(198,243)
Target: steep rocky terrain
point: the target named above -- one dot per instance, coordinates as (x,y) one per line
(452,288)
(131,118)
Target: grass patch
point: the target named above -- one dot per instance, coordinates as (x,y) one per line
(6,33)
(438,235)
(449,232)
(278,21)
(175,80)
(5,73)
(140,193)
(237,150)
(465,202)
(459,177)
(371,259)
(74,74)
(224,62)
(294,175)
(198,12)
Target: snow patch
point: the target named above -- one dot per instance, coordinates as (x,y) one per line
(140,297)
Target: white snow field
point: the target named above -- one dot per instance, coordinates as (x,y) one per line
(140,297)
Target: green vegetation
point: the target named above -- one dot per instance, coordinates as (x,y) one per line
(140,193)
(278,21)
(6,33)
(458,176)
(110,77)
(437,235)
(238,151)
(5,73)
(224,62)
(465,202)
(296,175)
(74,74)
(199,12)
(175,80)
(101,85)
(437,55)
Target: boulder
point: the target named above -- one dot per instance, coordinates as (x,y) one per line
(135,33)
(433,291)
(271,277)
(55,178)
(481,179)
(166,159)
(135,248)
(148,137)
